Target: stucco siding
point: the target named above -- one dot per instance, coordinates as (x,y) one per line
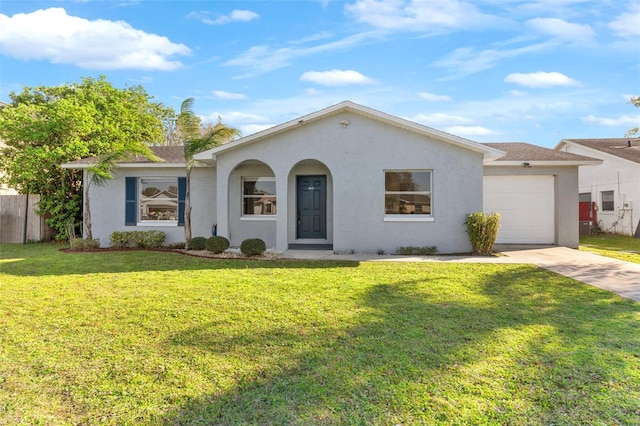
(203,202)
(108,204)
(356,157)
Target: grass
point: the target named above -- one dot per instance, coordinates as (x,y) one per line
(622,247)
(160,338)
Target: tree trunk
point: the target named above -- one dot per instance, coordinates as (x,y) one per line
(187,207)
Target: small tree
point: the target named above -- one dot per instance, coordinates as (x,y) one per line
(195,140)
(483,231)
(44,127)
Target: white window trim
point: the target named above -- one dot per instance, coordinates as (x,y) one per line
(421,217)
(258,218)
(408,218)
(255,217)
(156,223)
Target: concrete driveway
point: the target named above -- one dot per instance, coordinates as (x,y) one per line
(614,275)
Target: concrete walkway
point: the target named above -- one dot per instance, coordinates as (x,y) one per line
(614,275)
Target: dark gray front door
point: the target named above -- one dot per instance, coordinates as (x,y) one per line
(312,206)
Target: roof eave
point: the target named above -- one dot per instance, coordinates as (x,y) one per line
(563,163)
(127,165)
(489,153)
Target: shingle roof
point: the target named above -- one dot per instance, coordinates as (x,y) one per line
(614,146)
(525,152)
(167,155)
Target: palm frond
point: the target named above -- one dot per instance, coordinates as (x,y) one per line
(214,136)
(188,122)
(102,170)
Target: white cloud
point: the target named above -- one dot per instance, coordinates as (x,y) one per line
(234,16)
(560,29)
(627,24)
(228,95)
(624,120)
(336,77)
(247,123)
(55,36)
(466,61)
(467,131)
(541,79)
(440,119)
(433,97)
(263,58)
(418,15)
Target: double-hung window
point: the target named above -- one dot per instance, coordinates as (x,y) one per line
(607,201)
(407,192)
(154,200)
(158,199)
(258,196)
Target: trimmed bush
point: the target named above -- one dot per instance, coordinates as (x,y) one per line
(253,247)
(137,239)
(483,231)
(83,244)
(216,244)
(197,243)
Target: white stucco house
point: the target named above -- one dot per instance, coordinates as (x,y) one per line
(347,178)
(614,185)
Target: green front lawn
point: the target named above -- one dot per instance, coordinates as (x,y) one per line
(621,247)
(161,338)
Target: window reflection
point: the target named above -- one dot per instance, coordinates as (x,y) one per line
(158,199)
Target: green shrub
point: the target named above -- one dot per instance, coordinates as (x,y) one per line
(253,247)
(150,239)
(197,243)
(483,231)
(216,244)
(83,244)
(417,251)
(139,239)
(121,239)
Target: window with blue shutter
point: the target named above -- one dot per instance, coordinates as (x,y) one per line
(182,191)
(131,201)
(154,201)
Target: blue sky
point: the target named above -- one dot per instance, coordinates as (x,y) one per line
(488,70)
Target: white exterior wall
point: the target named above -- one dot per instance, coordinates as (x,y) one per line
(565,200)
(614,174)
(355,159)
(107,204)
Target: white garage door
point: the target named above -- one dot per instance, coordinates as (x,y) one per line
(526,208)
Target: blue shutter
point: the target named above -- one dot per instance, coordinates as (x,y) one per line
(131,201)
(182,191)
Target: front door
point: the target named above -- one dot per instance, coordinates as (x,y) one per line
(312,207)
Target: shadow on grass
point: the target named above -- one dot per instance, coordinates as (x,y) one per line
(48,259)
(518,351)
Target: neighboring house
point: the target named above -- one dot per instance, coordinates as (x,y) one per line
(613,187)
(348,178)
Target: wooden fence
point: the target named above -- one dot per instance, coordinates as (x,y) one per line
(18,221)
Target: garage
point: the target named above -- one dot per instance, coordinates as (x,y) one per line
(526,207)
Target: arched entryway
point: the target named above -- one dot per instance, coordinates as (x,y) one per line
(310,204)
